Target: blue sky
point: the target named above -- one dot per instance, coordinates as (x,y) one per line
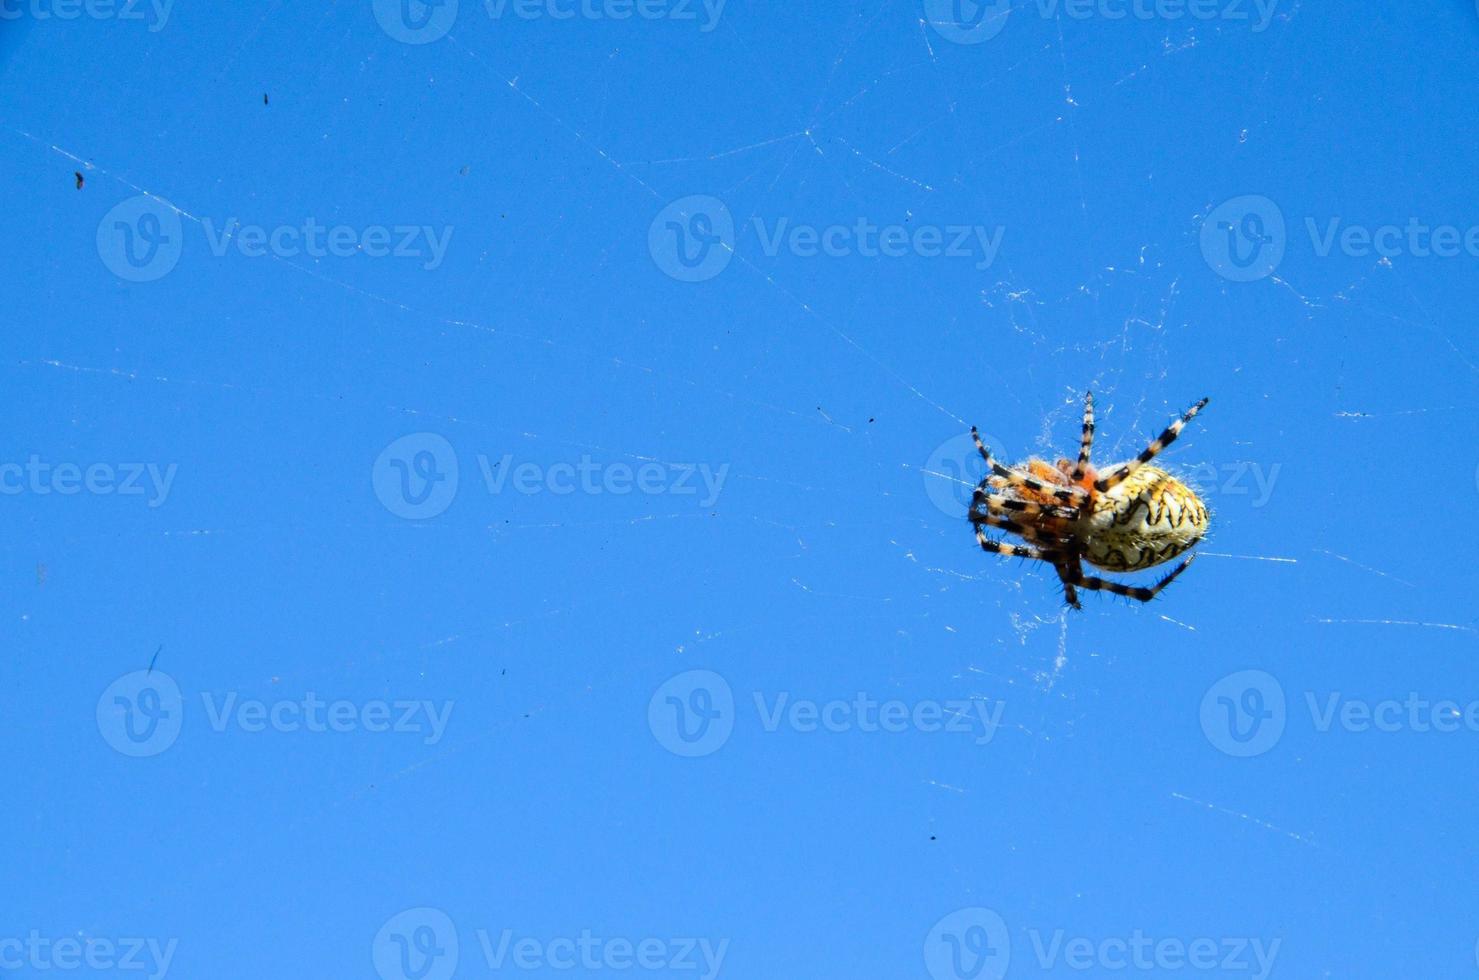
(483,488)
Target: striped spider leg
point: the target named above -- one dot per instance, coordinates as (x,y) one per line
(1086,440)
(1138,592)
(1168,436)
(1076,496)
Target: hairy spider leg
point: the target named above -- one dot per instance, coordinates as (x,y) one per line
(1160,442)
(1011,550)
(1139,593)
(1068,569)
(1086,441)
(1006,506)
(1067,495)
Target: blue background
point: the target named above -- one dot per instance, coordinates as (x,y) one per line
(835,560)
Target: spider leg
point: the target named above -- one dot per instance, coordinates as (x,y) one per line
(980,446)
(1013,550)
(1086,441)
(1067,570)
(1067,495)
(1023,531)
(1149,452)
(1008,506)
(1139,593)
(1042,547)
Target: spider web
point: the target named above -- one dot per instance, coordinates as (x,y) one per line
(1039,340)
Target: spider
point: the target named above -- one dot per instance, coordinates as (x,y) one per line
(1124,518)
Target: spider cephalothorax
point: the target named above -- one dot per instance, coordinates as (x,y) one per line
(1122,519)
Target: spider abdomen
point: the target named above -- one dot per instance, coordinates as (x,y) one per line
(1149,518)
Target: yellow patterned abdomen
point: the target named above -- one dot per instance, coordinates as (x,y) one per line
(1149,518)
